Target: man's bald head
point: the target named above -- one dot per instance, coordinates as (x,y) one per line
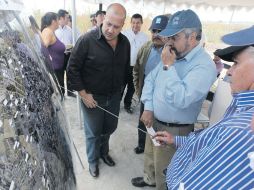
(117,10)
(114,21)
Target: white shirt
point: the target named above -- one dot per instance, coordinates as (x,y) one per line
(136,41)
(64,34)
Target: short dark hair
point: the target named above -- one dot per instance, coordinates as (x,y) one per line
(137,16)
(62,13)
(100,12)
(70,18)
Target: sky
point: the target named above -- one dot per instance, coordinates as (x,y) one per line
(151,10)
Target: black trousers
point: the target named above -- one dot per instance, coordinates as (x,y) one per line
(130,90)
(210,96)
(66,59)
(60,77)
(141,135)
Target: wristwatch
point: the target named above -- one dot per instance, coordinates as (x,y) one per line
(165,67)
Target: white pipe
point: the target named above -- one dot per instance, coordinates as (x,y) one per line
(74,39)
(231,18)
(74,27)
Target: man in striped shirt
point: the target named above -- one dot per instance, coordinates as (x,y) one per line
(219,156)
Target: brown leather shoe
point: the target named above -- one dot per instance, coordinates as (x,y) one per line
(139,182)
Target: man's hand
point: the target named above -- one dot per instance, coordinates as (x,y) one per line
(87,99)
(147,118)
(164,137)
(168,55)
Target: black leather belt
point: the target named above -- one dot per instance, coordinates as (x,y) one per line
(172,124)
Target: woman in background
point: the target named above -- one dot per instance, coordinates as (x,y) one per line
(49,23)
(36,31)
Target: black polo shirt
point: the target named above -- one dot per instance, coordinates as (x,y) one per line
(96,67)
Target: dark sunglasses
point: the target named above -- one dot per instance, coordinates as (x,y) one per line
(156,31)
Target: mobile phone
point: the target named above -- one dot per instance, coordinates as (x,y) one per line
(172,49)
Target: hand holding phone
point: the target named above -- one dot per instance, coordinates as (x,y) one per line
(168,56)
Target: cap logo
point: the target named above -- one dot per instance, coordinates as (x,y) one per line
(158,21)
(175,21)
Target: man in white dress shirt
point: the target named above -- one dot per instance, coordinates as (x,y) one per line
(137,40)
(70,25)
(64,34)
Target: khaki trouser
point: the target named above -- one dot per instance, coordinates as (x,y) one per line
(156,159)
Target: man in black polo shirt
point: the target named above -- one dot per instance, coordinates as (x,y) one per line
(97,69)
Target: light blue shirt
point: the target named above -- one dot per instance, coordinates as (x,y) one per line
(217,157)
(153,59)
(176,95)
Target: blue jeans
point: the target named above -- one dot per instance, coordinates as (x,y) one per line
(99,125)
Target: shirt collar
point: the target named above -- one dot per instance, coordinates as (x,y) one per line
(62,27)
(134,33)
(245,98)
(192,53)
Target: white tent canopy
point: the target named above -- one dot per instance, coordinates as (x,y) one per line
(153,7)
(215,3)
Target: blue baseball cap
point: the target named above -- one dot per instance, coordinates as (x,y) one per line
(159,22)
(238,40)
(180,21)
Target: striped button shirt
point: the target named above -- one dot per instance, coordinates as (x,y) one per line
(217,157)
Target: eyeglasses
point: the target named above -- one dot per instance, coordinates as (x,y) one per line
(156,31)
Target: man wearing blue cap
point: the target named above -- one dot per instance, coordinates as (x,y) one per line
(221,156)
(174,92)
(147,59)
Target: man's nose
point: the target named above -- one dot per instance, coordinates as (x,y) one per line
(111,29)
(229,71)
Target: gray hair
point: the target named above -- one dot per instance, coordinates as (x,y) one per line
(189,31)
(250,51)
